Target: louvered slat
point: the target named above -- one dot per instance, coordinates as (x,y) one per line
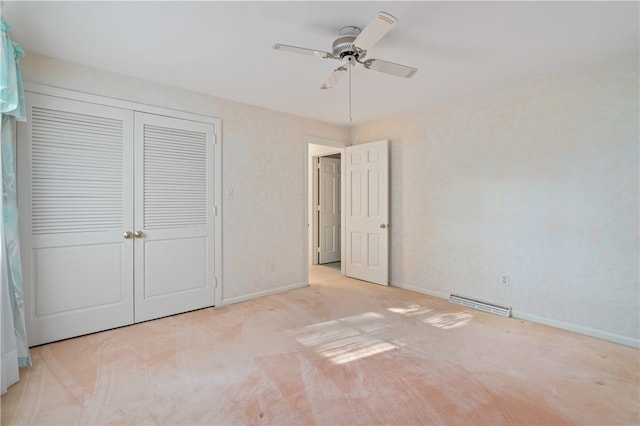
(175,178)
(76,176)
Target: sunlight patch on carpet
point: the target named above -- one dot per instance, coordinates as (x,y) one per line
(410,310)
(346,339)
(449,320)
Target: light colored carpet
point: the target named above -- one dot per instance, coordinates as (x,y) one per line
(338,352)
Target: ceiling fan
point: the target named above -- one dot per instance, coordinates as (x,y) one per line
(351,48)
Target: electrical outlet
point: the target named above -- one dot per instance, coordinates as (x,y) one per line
(504,279)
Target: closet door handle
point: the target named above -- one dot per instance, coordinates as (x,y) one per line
(138,234)
(127,235)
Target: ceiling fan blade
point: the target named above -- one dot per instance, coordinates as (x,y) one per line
(302,50)
(390,68)
(333,78)
(374,31)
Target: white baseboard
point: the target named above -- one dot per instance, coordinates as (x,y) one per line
(598,334)
(420,290)
(263,293)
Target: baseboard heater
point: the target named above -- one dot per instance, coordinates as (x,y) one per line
(491,308)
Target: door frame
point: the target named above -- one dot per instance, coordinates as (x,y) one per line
(315,147)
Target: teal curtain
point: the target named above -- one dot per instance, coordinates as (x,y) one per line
(15,349)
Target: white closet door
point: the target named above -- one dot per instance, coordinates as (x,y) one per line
(174,216)
(75,201)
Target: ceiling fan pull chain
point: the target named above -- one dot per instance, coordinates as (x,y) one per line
(350,94)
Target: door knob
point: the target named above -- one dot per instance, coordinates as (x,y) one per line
(127,235)
(382,225)
(138,234)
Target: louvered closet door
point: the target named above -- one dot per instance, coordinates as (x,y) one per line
(75,201)
(174,259)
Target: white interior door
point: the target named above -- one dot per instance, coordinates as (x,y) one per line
(75,200)
(367,212)
(329,210)
(174,216)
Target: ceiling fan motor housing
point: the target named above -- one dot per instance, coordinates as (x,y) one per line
(343,45)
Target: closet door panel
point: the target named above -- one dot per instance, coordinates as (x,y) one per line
(187,254)
(174,185)
(76,199)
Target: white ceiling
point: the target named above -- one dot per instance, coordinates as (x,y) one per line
(224,48)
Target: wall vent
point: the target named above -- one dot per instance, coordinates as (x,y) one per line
(491,308)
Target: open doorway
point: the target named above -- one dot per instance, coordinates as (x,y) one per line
(325,233)
(364,197)
(326,209)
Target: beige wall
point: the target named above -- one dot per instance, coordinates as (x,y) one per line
(263,163)
(539,181)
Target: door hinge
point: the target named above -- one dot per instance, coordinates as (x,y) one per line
(215,210)
(215,282)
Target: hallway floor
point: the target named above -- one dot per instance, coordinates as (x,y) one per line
(341,351)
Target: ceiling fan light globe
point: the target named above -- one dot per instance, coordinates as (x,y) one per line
(349,61)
